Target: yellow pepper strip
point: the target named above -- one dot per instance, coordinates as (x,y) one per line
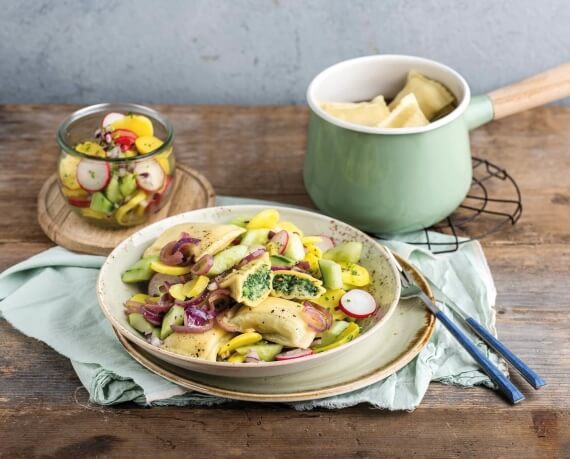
(122,211)
(313,263)
(267,218)
(312,248)
(311,240)
(291,228)
(91,149)
(330,300)
(195,286)
(139,297)
(177,291)
(354,274)
(236,358)
(348,334)
(160,267)
(245,339)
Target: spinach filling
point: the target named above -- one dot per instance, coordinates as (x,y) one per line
(257,283)
(294,286)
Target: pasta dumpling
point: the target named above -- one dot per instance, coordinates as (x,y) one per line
(200,345)
(366,113)
(293,284)
(250,284)
(278,320)
(406,114)
(432,96)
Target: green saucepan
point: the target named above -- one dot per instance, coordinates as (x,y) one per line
(389,181)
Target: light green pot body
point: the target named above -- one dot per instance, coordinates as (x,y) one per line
(387,184)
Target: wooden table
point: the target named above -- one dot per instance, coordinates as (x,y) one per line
(258,152)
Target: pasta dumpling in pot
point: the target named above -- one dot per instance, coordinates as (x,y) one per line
(250,284)
(365,113)
(432,96)
(278,320)
(406,114)
(294,284)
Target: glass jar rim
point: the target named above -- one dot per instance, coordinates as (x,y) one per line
(114,107)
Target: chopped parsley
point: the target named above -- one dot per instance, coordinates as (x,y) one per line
(257,283)
(294,286)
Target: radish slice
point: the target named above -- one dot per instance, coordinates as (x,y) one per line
(294,354)
(110,118)
(93,175)
(326,243)
(358,304)
(150,176)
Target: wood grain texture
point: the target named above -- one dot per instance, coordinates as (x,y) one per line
(44,411)
(554,84)
(64,227)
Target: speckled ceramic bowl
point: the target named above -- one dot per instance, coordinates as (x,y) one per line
(112,292)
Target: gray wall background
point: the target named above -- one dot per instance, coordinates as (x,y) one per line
(258,51)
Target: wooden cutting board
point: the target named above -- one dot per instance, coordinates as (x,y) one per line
(64,227)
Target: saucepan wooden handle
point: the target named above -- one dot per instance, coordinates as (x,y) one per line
(538,90)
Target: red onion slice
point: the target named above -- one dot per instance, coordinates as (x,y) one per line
(133,306)
(158,280)
(222,319)
(316,317)
(203,265)
(193,328)
(280,240)
(153,317)
(303,265)
(259,252)
(252,357)
(293,354)
(280,268)
(170,256)
(220,299)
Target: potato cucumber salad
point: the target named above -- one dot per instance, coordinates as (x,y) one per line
(256,289)
(120,193)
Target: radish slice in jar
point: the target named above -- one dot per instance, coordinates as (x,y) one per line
(93,175)
(110,118)
(293,354)
(358,304)
(150,175)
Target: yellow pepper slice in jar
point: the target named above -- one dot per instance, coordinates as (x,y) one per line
(139,124)
(91,149)
(237,358)
(195,286)
(267,218)
(160,267)
(68,174)
(348,334)
(245,339)
(354,274)
(121,213)
(177,292)
(291,228)
(147,143)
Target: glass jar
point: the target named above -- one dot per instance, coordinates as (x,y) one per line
(119,174)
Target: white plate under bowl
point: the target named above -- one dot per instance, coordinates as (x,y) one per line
(403,336)
(112,292)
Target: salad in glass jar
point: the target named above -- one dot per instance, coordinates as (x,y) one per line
(116,165)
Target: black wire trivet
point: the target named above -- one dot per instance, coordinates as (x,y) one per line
(480,214)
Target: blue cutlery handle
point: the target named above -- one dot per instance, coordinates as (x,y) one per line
(505,385)
(528,373)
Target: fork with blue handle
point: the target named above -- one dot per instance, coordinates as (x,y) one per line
(411,290)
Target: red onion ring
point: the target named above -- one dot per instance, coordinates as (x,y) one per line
(153,317)
(203,265)
(133,306)
(170,256)
(220,299)
(193,328)
(317,318)
(259,252)
(199,300)
(304,265)
(252,357)
(222,317)
(293,354)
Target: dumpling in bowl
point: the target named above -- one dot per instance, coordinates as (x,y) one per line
(293,284)
(433,97)
(250,284)
(213,238)
(278,320)
(200,345)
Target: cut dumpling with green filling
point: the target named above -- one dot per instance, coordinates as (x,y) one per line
(250,284)
(406,114)
(278,320)
(365,113)
(296,285)
(213,238)
(200,345)
(433,97)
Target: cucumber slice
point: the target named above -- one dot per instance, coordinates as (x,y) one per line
(240,221)
(280,260)
(266,352)
(140,271)
(255,237)
(332,333)
(128,185)
(113,190)
(228,258)
(140,324)
(295,249)
(332,274)
(348,252)
(173,317)
(100,203)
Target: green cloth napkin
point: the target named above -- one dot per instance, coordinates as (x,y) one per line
(51,297)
